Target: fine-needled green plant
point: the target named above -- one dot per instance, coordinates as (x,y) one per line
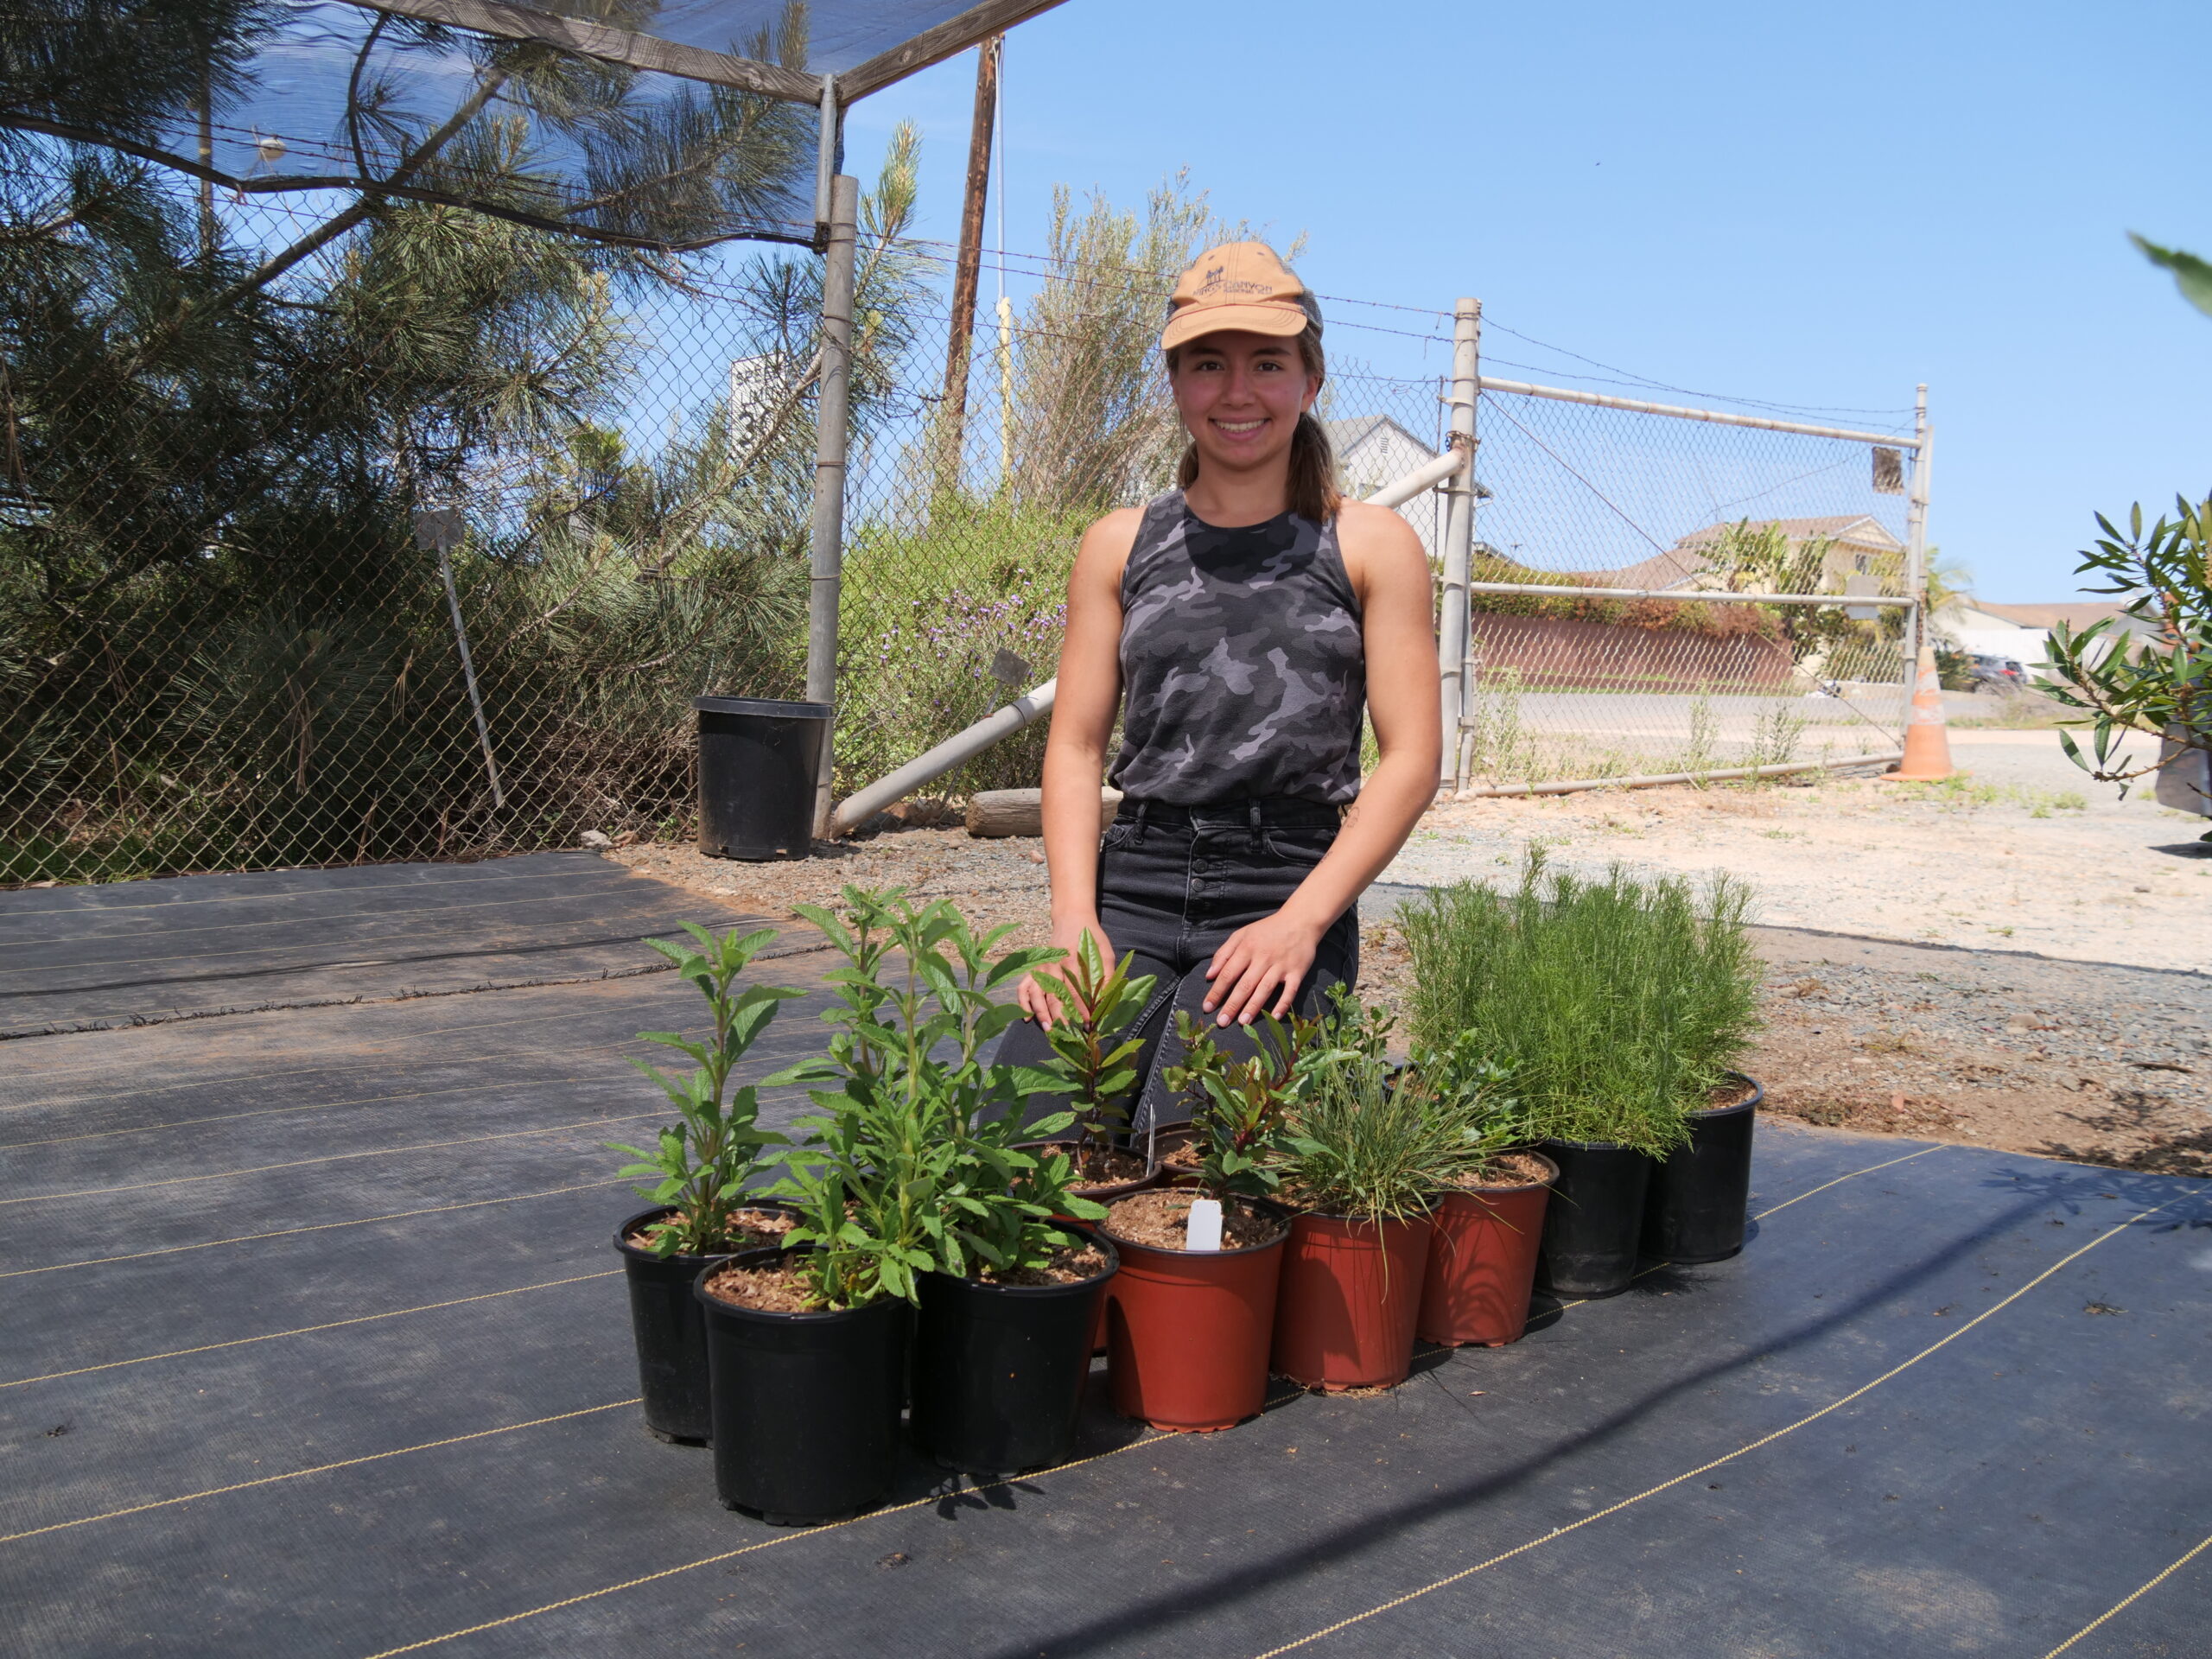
(1377,1141)
(1095,1072)
(1618,1004)
(1241,1122)
(911,1165)
(701,1163)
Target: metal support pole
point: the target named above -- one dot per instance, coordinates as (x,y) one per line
(831,421)
(1916,542)
(829,147)
(1459,532)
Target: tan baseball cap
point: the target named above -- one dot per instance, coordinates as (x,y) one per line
(1238,285)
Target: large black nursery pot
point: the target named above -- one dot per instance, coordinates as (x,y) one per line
(1594,1219)
(670,1334)
(805,1406)
(758,761)
(1695,1210)
(999,1370)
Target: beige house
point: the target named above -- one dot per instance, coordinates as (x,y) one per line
(1859,545)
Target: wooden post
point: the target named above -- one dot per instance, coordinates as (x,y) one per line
(968,272)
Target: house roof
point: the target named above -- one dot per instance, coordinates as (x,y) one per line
(1681,565)
(1348,435)
(2074,614)
(1860,529)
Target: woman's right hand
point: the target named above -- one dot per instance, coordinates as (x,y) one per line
(1038,1003)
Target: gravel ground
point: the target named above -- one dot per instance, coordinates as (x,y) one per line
(1984,961)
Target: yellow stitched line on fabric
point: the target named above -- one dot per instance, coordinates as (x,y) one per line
(1862,1389)
(337,1157)
(318,1468)
(765,1543)
(307,1330)
(317,1227)
(2123,1605)
(1854,1175)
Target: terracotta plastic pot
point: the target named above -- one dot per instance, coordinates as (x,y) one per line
(999,1370)
(1105,1193)
(1345,1312)
(1695,1210)
(805,1405)
(1482,1263)
(670,1332)
(1187,1331)
(1594,1219)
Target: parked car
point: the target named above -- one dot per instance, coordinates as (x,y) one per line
(1995,674)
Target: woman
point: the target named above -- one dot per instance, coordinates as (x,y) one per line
(1250,617)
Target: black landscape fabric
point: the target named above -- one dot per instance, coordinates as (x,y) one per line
(315,1343)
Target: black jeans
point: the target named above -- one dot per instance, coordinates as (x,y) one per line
(1174,883)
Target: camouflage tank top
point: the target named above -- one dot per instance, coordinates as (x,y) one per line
(1242,662)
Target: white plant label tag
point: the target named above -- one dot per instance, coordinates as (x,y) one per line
(1202,1230)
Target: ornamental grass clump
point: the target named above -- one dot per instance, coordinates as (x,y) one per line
(1374,1141)
(1618,1004)
(910,1164)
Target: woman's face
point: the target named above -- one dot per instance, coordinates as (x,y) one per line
(1239,396)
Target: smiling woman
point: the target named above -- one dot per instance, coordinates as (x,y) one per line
(1242,624)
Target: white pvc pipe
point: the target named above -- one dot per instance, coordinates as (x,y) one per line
(862,804)
(858,807)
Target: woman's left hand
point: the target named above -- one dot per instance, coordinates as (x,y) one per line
(1269,955)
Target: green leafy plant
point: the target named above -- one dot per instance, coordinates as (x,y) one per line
(1619,1004)
(1241,1123)
(701,1163)
(1377,1141)
(1098,1073)
(911,1165)
(2127,687)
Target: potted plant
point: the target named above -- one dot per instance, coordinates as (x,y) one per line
(1618,1004)
(1188,1330)
(1094,1073)
(700,1166)
(904,1175)
(1489,1217)
(1372,1146)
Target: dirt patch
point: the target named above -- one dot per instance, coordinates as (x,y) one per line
(768,1290)
(1114,1168)
(757,1228)
(1067,1267)
(992,882)
(1158,1218)
(1505,1171)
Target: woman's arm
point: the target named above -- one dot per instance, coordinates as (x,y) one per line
(1260,968)
(1075,751)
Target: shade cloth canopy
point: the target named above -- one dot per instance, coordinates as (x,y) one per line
(670,125)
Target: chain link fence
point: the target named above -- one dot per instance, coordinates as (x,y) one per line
(224,645)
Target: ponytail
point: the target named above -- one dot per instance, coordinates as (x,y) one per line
(1313,492)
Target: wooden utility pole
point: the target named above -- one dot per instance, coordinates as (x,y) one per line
(969,271)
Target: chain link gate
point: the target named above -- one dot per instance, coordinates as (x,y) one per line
(226,643)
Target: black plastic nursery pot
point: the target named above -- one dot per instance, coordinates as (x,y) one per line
(672,1336)
(1695,1210)
(999,1370)
(805,1406)
(758,760)
(1594,1219)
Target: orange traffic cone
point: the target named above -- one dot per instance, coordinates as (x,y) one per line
(1927,745)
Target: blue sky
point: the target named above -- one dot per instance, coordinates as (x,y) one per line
(1815,206)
